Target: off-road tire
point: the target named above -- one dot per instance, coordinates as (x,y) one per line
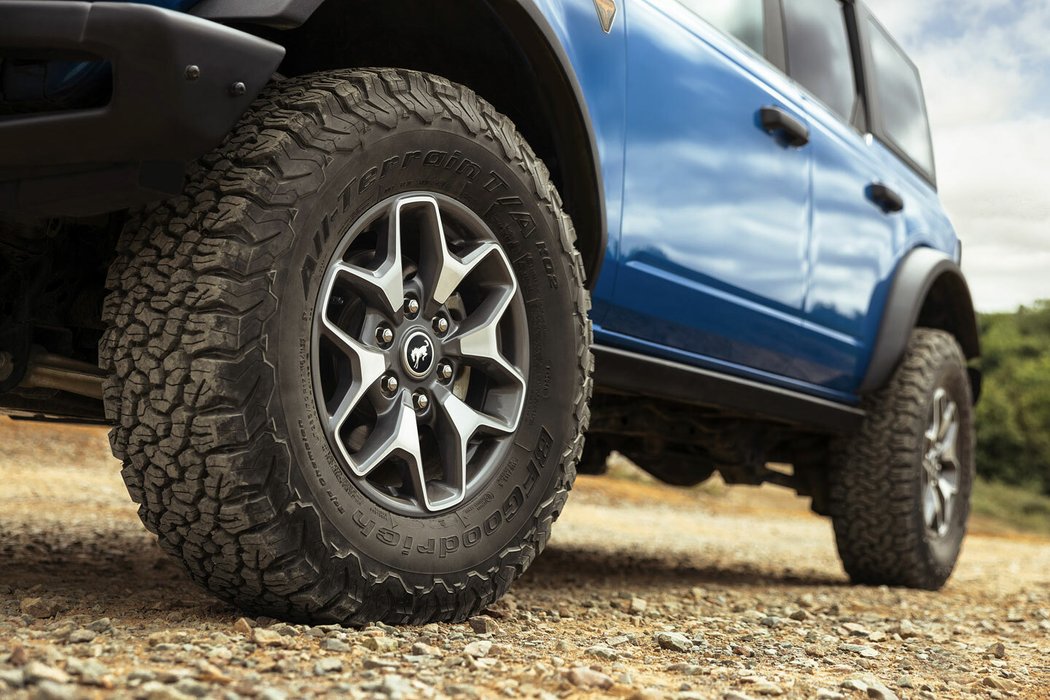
(205,320)
(875,478)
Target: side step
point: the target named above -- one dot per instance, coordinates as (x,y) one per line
(632,373)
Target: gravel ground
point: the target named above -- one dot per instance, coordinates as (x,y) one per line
(644,592)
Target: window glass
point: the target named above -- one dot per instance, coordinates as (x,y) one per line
(818,52)
(898,92)
(742,19)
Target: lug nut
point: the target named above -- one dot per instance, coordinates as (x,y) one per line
(385,335)
(441,325)
(444,371)
(411,307)
(421,401)
(390,384)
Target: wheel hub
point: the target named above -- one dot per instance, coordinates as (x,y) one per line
(417,354)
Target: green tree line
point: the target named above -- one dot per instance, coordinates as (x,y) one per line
(1013,416)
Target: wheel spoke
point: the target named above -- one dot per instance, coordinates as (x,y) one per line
(436,495)
(478,337)
(946,485)
(948,421)
(933,433)
(366,364)
(930,466)
(384,286)
(929,504)
(948,435)
(938,508)
(946,489)
(947,449)
(396,435)
(440,270)
(454,270)
(460,424)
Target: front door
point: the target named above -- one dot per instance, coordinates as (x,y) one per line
(716,195)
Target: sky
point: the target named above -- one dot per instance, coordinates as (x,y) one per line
(985,66)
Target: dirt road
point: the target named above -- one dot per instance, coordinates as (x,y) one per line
(644,592)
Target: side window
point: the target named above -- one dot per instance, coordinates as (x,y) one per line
(818,52)
(898,93)
(743,19)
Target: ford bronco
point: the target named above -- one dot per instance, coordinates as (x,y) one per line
(351,280)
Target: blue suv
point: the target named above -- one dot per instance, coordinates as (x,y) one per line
(354,323)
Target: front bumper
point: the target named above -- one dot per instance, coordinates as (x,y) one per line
(180,83)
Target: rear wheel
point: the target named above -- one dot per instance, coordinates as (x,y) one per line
(900,490)
(350,366)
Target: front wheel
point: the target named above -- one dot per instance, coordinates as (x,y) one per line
(900,489)
(350,366)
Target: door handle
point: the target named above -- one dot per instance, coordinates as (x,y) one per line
(775,120)
(887,200)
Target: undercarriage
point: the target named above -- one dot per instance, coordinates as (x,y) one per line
(685,445)
(52,280)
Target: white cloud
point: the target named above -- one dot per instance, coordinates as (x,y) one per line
(986,68)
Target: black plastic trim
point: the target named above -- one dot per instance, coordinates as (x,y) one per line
(861,118)
(280,14)
(160,112)
(916,275)
(632,373)
(94,190)
(773,30)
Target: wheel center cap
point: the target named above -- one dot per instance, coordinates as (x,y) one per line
(417,354)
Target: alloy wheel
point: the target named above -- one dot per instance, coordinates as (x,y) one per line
(940,464)
(419,353)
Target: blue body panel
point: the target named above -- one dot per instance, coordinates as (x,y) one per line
(728,249)
(715,210)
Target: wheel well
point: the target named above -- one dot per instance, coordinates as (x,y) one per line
(928,290)
(494,47)
(947,307)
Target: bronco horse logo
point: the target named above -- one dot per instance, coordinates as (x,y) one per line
(418,355)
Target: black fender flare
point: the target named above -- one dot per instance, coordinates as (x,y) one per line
(922,273)
(288,14)
(280,14)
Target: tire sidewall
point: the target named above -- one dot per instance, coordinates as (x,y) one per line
(418,158)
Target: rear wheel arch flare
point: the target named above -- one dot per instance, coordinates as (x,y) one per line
(930,291)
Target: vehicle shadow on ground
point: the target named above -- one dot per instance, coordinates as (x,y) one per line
(118,573)
(113,573)
(566,565)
